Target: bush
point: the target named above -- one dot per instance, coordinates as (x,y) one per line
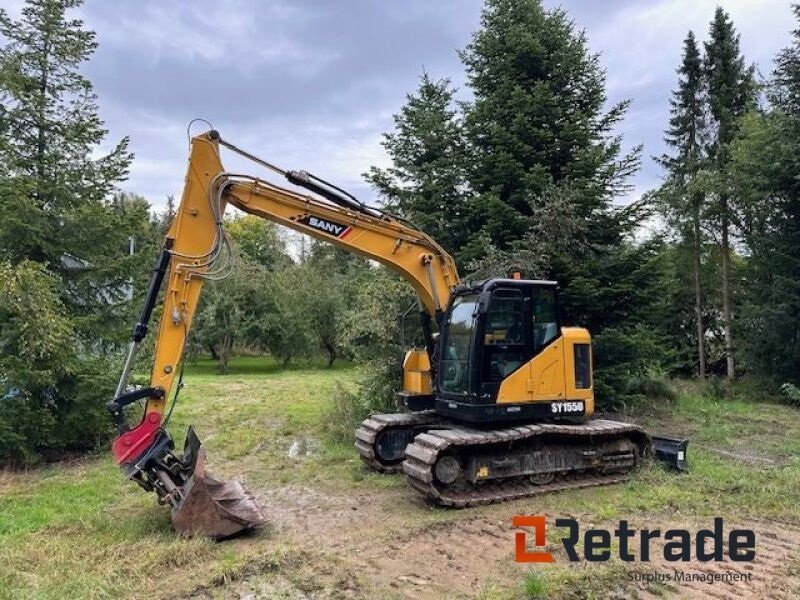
(628,367)
(653,384)
(377,387)
(372,331)
(790,394)
(51,394)
(716,388)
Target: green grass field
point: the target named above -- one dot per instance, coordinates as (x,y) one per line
(78,530)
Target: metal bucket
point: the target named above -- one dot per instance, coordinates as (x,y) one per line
(209,506)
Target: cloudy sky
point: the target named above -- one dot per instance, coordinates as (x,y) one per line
(313,83)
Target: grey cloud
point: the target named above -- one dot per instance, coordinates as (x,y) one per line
(313,83)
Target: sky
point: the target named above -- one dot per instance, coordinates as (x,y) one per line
(313,84)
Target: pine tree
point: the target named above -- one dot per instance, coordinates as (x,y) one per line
(765,162)
(546,167)
(425,183)
(684,206)
(60,226)
(54,196)
(785,89)
(538,119)
(731,91)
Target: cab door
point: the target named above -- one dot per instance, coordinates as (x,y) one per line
(506,343)
(539,376)
(547,377)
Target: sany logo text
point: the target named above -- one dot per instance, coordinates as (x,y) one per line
(325,226)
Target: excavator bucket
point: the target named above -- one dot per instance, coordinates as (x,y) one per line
(208,506)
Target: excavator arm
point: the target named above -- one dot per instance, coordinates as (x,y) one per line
(197,249)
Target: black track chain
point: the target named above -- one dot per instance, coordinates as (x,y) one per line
(421,456)
(370,428)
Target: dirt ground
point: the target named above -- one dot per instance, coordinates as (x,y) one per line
(359,546)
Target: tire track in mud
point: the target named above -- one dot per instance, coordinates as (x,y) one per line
(455,553)
(377,546)
(775,570)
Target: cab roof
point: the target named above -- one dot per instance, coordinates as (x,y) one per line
(488,284)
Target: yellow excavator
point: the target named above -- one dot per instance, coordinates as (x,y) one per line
(497,400)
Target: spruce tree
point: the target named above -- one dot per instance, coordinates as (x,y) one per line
(685,202)
(765,161)
(731,91)
(785,89)
(425,183)
(539,119)
(54,195)
(542,147)
(64,236)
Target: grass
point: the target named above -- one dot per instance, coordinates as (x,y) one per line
(576,582)
(79,530)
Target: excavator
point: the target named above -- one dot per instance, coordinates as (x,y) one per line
(497,400)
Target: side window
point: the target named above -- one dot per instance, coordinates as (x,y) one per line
(544,317)
(505,339)
(454,377)
(504,321)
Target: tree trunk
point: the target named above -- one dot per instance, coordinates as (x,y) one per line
(726,290)
(331,350)
(224,353)
(41,143)
(698,293)
(213,351)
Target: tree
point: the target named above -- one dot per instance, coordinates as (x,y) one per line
(54,195)
(285,329)
(426,182)
(785,89)
(684,200)
(258,241)
(219,320)
(537,121)
(542,146)
(50,127)
(731,91)
(764,166)
(52,397)
(331,277)
(371,330)
(63,237)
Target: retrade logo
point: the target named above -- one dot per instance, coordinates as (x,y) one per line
(539,526)
(598,545)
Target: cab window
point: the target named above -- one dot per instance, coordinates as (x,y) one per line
(544,317)
(505,339)
(456,352)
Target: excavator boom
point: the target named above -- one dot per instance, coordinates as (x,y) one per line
(197,249)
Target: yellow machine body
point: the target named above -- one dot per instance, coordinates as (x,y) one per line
(417,373)
(548,376)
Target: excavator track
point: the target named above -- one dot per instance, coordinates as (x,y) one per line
(398,429)
(609,452)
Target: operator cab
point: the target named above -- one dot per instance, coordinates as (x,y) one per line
(502,355)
